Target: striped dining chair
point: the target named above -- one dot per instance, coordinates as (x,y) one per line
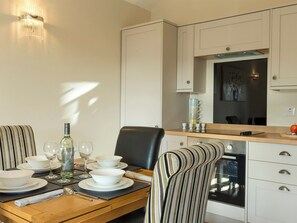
(16,143)
(181,183)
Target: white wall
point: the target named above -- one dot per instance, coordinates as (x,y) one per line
(191,11)
(72,75)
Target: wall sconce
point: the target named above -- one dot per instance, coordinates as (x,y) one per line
(31,25)
(255,76)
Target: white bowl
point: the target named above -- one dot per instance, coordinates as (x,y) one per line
(107,177)
(108,161)
(38,161)
(15,178)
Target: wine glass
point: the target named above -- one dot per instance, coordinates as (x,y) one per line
(50,150)
(85,149)
(63,179)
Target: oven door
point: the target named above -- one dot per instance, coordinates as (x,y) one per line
(228,184)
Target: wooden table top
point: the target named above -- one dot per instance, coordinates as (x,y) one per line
(72,208)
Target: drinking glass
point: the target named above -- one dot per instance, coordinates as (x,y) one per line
(63,180)
(85,149)
(50,150)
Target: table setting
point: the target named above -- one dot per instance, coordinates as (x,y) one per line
(40,178)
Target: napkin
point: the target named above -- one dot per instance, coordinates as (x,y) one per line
(138,176)
(39,198)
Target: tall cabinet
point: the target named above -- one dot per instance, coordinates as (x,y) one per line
(148,77)
(284,48)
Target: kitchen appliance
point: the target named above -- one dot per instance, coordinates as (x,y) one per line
(228,184)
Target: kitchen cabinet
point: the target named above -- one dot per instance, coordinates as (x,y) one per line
(239,33)
(148,77)
(284,48)
(172,142)
(272,183)
(190,71)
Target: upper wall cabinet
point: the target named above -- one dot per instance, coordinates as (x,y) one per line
(234,34)
(284,48)
(190,70)
(148,77)
(185,59)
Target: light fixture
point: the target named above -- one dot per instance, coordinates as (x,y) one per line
(255,76)
(31,25)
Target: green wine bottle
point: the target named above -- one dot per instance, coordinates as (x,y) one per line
(67,153)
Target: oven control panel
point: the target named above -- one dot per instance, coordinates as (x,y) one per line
(231,146)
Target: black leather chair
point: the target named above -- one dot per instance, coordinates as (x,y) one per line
(139,146)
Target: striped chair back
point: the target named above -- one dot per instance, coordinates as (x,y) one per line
(181,183)
(16,143)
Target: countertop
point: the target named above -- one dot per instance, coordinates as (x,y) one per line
(266,134)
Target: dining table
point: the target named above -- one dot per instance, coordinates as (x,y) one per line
(73,208)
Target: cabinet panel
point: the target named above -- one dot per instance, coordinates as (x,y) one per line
(141,75)
(172,142)
(269,203)
(273,172)
(277,153)
(185,59)
(284,48)
(235,34)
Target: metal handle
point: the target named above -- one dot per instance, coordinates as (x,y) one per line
(284,153)
(228,48)
(181,143)
(156,126)
(283,171)
(229,157)
(274,77)
(284,188)
(188,82)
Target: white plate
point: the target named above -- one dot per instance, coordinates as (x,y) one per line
(39,184)
(30,183)
(122,185)
(94,166)
(26,166)
(92,183)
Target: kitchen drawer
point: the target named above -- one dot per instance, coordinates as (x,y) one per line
(269,203)
(273,172)
(278,153)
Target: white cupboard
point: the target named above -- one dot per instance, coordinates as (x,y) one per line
(190,71)
(185,59)
(173,142)
(272,183)
(148,77)
(284,48)
(239,33)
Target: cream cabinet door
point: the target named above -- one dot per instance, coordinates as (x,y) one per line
(284,48)
(185,59)
(271,202)
(172,142)
(141,83)
(234,34)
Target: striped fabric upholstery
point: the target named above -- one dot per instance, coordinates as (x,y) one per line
(16,143)
(181,183)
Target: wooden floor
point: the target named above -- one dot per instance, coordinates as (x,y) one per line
(138,217)
(213,218)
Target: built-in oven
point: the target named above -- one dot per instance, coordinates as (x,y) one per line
(228,183)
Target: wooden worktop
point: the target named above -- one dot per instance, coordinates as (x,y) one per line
(268,134)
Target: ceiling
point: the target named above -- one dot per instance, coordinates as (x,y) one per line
(146,4)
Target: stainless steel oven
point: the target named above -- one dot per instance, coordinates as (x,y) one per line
(228,184)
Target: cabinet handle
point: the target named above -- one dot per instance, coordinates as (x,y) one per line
(274,77)
(283,171)
(181,143)
(284,188)
(284,153)
(228,48)
(156,126)
(188,82)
